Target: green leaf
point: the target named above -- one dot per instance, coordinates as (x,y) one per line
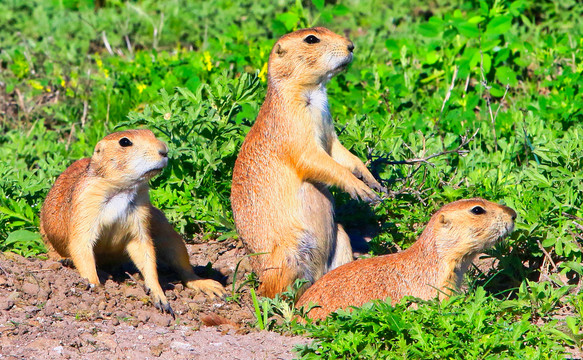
(432,28)
(22,236)
(289,20)
(499,25)
(340,10)
(431,57)
(468,30)
(318,4)
(506,75)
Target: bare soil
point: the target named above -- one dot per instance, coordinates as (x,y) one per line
(47,311)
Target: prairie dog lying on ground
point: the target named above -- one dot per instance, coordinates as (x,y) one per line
(435,263)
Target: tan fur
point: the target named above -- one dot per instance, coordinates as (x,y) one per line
(99,212)
(280,199)
(433,265)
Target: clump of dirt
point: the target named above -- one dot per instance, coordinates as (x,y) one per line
(48,311)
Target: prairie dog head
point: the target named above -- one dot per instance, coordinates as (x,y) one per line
(309,57)
(464,228)
(129,157)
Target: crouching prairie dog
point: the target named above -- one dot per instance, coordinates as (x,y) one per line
(433,265)
(99,212)
(280,200)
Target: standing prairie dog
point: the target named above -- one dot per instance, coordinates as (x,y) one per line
(281,203)
(99,211)
(434,264)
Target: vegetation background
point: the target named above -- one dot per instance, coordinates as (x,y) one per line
(445,99)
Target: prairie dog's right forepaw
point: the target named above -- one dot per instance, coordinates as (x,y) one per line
(209,287)
(377,187)
(364,193)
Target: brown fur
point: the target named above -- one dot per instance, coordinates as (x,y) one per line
(280,199)
(99,212)
(433,265)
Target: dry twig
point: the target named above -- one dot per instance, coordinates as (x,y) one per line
(106,43)
(459,150)
(418,161)
(129,45)
(547,255)
(484,83)
(84,116)
(448,94)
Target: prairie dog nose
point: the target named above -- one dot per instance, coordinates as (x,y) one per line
(350,46)
(163,151)
(511,212)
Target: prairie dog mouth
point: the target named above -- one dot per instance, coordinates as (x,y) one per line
(156,169)
(344,63)
(507,228)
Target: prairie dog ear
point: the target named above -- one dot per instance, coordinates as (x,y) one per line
(443,220)
(98,152)
(279,50)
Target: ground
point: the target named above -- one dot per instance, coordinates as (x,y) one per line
(47,311)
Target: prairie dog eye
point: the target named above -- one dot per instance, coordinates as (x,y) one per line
(125,142)
(478,210)
(311,39)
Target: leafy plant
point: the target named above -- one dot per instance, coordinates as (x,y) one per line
(476,326)
(280,313)
(425,78)
(204,135)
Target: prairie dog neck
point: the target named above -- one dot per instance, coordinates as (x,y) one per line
(317,102)
(113,205)
(449,267)
(308,105)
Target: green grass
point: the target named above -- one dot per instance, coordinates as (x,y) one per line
(194,73)
(476,326)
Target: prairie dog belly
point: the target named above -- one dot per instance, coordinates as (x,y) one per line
(110,247)
(319,239)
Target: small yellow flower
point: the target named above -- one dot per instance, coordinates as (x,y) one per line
(36,85)
(99,64)
(141,87)
(263,72)
(207,61)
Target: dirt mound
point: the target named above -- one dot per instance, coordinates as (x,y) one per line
(47,311)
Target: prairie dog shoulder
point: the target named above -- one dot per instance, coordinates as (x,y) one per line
(435,263)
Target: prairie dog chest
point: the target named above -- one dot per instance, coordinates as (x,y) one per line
(319,112)
(119,207)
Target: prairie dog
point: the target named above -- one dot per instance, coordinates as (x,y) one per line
(280,197)
(99,211)
(433,265)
